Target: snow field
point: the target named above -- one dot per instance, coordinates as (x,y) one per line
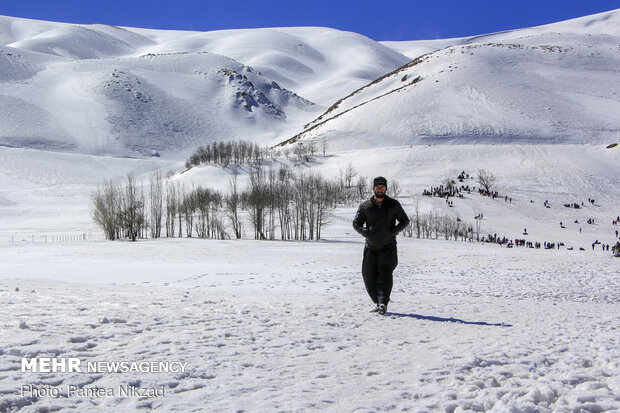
(470,327)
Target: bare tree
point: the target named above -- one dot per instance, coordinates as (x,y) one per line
(395,188)
(362,186)
(416,209)
(349,174)
(286,152)
(304,152)
(256,200)
(283,197)
(133,209)
(204,207)
(300,199)
(156,197)
(312,148)
(233,204)
(272,187)
(427,224)
(179,208)
(321,186)
(187,206)
(436,223)
(105,208)
(478,220)
(172,195)
(487,180)
(448,224)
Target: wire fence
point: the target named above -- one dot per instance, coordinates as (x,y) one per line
(54,237)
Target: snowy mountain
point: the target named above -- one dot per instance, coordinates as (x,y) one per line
(106,90)
(101,89)
(284,325)
(552,84)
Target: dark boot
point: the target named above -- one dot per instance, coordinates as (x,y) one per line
(382,309)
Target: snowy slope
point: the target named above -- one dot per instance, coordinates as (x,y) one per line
(602,24)
(555,84)
(136,105)
(101,89)
(319,64)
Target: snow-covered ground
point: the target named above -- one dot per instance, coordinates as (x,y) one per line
(284,326)
(471,326)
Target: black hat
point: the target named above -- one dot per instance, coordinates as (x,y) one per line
(379,181)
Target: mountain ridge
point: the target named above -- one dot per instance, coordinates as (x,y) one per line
(546,87)
(178,96)
(551,83)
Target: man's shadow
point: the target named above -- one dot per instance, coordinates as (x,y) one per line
(447,320)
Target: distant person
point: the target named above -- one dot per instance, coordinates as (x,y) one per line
(376,221)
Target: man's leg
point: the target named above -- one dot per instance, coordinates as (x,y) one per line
(369,272)
(387,261)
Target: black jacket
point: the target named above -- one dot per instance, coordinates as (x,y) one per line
(380,219)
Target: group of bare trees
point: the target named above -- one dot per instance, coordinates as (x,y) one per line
(124,212)
(227,153)
(277,203)
(244,152)
(353,186)
(120,210)
(304,152)
(287,204)
(434,224)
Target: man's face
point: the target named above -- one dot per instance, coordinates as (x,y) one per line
(380,191)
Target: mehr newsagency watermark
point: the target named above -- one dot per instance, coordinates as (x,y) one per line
(76,365)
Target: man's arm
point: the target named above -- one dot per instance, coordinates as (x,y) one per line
(358,222)
(403,219)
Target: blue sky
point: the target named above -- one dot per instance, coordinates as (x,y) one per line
(379,20)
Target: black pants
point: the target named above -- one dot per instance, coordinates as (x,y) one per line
(377,269)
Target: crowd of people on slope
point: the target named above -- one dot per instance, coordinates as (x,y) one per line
(510,243)
(447,192)
(454,191)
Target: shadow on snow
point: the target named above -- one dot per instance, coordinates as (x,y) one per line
(447,320)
